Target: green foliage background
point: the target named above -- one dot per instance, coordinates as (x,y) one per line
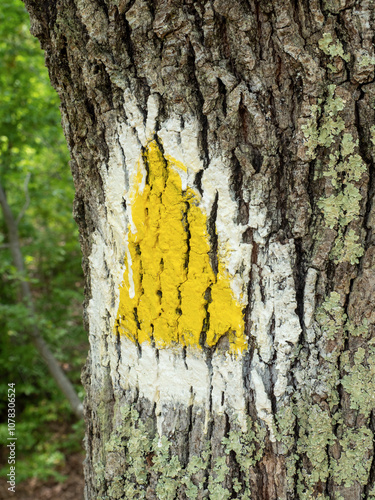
(32,146)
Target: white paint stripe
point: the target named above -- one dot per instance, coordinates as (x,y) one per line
(170,378)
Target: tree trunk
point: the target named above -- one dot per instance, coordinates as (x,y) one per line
(223,157)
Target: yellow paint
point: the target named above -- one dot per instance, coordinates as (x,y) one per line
(170,294)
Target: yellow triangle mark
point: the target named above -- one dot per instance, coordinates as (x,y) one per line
(170,294)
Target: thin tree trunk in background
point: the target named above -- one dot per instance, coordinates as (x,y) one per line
(223,157)
(56,371)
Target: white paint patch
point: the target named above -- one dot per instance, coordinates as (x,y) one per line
(135,117)
(180,143)
(275,323)
(152,113)
(262,401)
(228,388)
(287,324)
(129,263)
(309,296)
(262,314)
(233,253)
(175,378)
(259,218)
(172,378)
(99,305)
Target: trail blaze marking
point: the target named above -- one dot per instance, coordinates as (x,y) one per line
(170,293)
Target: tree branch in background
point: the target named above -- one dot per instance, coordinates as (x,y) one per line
(57,373)
(27,198)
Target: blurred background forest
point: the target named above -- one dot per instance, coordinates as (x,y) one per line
(35,175)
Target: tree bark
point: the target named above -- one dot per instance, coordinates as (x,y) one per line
(223,157)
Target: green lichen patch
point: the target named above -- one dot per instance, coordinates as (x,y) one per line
(99,471)
(332,49)
(342,207)
(348,145)
(347,249)
(345,168)
(168,467)
(331,125)
(356,457)
(327,448)
(366,60)
(371,494)
(285,435)
(357,330)
(248,447)
(354,446)
(136,458)
(315,436)
(195,465)
(285,420)
(310,131)
(220,471)
(331,316)
(359,381)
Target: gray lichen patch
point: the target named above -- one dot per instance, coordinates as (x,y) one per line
(344,168)
(137,459)
(355,457)
(359,381)
(331,316)
(315,436)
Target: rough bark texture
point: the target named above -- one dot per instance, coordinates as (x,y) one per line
(269,106)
